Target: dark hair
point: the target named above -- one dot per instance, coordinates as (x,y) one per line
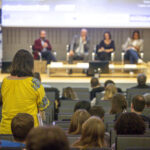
(108,82)
(141,79)
(37,76)
(22,64)
(130,123)
(69,93)
(136,31)
(118,104)
(108,34)
(45,138)
(97,111)
(21,124)
(94,82)
(138,103)
(147,99)
(82,105)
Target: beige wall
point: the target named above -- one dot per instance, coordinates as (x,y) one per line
(17,38)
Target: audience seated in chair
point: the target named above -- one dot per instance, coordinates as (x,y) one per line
(93,131)
(97,111)
(141,82)
(77,120)
(109,92)
(147,100)
(21,125)
(129,124)
(69,94)
(118,105)
(21,92)
(43,47)
(82,105)
(138,105)
(46,138)
(96,87)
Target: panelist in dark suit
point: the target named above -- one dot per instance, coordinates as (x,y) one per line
(79,47)
(105,47)
(43,46)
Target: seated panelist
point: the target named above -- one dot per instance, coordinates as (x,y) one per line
(132,48)
(105,48)
(79,47)
(43,46)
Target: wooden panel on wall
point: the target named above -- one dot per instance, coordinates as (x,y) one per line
(18,38)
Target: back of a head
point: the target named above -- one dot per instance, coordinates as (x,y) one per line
(46,138)
(119,104)
(141,79)
(22,64)
(130,123)
(82,105)
(97,111)
(147,99)
(108,82)
(69,93)
(77,119)
(110,91)
(138,103)
(21,125)
(93,131)
(94,82)
(37,76)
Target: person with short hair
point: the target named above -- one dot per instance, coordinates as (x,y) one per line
(21,125)
(21,92)
(97,111)
(77,120)
(92,136)
(96,87)
(46,138)
(82,105)
(43,46)
(138,105)
(105,47)
(147,99)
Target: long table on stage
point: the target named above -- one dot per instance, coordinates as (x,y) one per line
(112,67)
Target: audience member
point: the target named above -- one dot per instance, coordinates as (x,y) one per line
(147,100)
(46,138)
(118,104)
(112,82)
(77,120)
(43,47)
(21,93)
(97,111)
(132,48)
(105,47)
(110,91)
(138,105)
(69,94)
(37,76)
(21,124)
(141,81)
(93,131)
(96,87)
(82,105)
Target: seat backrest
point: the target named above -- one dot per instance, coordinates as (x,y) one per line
(130,141)
(109,126)
(66,110)
(106,104)
(82,93)
(68,103)
(136,91)
(8,137)
(109,118)
(99,95)
(64,116)
(62,124)
(73,138)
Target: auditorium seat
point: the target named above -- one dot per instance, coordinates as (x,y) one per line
(106,104)
(135,91)
(109,126)
(8,137)
(73,138)
(64,116)
(66,110)
(62,124)
(99,95)
(109,118)
(132,141)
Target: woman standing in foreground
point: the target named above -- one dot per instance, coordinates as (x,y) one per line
(21,93)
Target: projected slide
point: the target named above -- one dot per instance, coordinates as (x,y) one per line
(76,13)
